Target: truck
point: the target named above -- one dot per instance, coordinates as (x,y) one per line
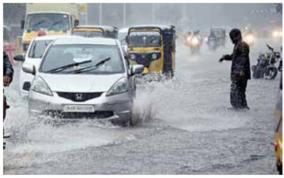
(48,19)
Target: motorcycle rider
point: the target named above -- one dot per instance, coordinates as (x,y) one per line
(240,70)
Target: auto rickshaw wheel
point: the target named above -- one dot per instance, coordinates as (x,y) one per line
(279,167)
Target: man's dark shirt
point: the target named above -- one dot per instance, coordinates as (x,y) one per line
(240,61)
(7,66)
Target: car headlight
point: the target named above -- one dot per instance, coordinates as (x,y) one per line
(154,56)
(249,39)
(132,56)
(277,34)
(194,41)
(121,86)
(40,86)
(188,39)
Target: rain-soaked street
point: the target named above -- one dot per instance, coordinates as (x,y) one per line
(185,126)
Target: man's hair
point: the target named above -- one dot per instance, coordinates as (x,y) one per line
(235,35)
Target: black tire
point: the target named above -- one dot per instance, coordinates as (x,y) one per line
(270,73)
(279,168)
(125,122)
(121,123)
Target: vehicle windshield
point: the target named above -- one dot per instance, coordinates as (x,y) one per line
(38,47)
(48,21)
(217,33)
(64,55)
(144,39)
(88,34)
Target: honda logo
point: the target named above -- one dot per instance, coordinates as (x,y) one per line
(79,96)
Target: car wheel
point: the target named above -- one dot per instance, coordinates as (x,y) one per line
(121,123)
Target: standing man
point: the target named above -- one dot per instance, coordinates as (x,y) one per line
(240,70)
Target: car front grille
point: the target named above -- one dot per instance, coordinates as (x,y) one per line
(79,97)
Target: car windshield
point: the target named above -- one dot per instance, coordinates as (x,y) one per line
(144,39)
(38,47)
(48,21)
(64,55)
(88,34)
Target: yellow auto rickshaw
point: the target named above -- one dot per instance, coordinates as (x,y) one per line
(95,31)
(154,47)
(278,135)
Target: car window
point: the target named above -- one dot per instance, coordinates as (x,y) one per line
(38,48)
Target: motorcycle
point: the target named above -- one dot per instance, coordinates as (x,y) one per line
(266,64)
(194,42)
(212,44)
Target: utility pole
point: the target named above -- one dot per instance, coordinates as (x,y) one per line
(153,14)
(124,14)
(100,13)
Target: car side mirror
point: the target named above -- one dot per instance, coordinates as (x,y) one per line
(19,58)
(29,68)
(76,22)
(137,69)
(22,24)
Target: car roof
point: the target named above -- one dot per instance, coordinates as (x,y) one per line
(85,40)
(48,12)
(163,27)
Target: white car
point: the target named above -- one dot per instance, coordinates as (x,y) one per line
(33,56)
(83,78)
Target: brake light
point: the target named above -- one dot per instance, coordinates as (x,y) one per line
(41,33)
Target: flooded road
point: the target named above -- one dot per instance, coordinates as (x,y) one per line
(185,126)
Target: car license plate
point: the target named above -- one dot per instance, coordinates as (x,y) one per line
(78,108)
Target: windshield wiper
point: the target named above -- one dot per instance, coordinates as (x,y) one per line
(91,67)
(53,24)
(59,69)
(38,23)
